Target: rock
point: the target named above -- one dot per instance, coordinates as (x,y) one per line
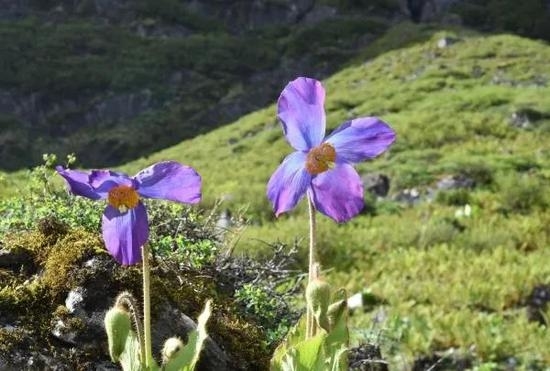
(320,13)
(74,299)
(366,357)
(224,221)
(377,184)
(15,260)
(526,118)
(37,109)
(445,42)
(410,196)
(169,322)
(454,182)
(448,360)
(520,120)
(82,324)
(355,301)
(11,10)
(364,300)
(64,332)
(431,10)
(537,303)
(254,14)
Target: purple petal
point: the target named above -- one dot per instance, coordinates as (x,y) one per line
(103,181)
(78,182)
(170,180)
(301,111)
(361,139)
(125,233)
(338,193)
(289,183)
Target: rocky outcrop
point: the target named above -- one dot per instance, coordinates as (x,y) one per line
(249,15)
(38,109)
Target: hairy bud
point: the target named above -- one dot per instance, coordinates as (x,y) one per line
(318,300)
(117,325)
(171,348)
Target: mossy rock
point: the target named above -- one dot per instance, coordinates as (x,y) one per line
(52,305)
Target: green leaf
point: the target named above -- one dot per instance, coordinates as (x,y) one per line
(338,338)
(295,335)
(186,359)
(310,354)
(130,357)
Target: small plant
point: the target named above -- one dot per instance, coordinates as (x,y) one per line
(322,169)
(126,345)
(126,232)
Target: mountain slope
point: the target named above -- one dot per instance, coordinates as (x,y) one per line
(451,272)
(446,276)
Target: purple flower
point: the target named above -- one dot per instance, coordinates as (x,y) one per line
(322,167)
(125,226)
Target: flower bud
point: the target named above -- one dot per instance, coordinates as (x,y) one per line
(318,300)
(117,325)
(171,348)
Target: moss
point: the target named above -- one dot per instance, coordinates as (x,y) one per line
(11,339)
(243,341)
(60,272)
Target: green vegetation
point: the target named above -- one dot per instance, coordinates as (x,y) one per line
(451,281)
(480,108)
(111,94)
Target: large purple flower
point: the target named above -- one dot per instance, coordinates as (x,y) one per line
(322,167)
(125,226)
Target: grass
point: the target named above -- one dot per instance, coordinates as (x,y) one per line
(454,283)
(446,281)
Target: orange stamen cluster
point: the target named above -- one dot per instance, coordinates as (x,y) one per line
(320,159)
(123,197)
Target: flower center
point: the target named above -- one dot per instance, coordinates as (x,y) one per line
(123,197)
(320,159)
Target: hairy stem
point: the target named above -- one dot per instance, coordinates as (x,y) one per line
(312,269)
(128,302)
(147,307)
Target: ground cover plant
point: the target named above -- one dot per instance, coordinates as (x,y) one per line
(450,272)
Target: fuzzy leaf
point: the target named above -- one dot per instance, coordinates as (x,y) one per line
(130,357)
(186,359)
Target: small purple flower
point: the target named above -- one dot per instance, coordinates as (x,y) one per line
(125,226)
(322,168)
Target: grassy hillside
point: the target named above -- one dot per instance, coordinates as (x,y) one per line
(478,108)
(446,281)
(113,93)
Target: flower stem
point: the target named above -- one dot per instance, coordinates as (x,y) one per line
(312,269)
(147,307)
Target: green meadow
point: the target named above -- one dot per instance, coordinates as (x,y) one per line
(438,281)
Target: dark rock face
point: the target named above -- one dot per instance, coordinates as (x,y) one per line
(526,118)
(454,182)
(409,196)
(537,302)
(37,109)
(377,184)
(415,8)
(249,15)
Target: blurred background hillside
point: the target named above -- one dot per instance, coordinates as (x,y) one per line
(112,81)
